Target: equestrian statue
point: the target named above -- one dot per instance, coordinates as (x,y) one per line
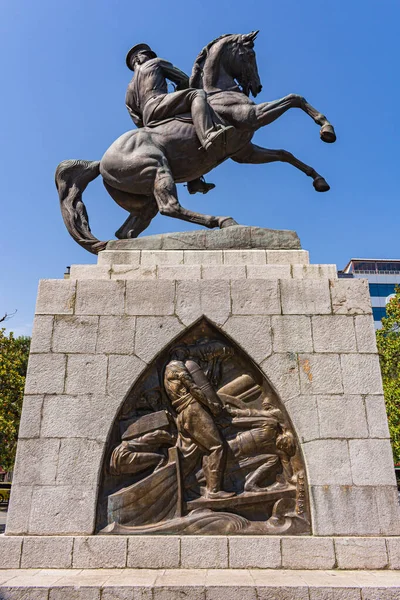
(180,137)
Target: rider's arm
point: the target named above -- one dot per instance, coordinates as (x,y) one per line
(137,119)
(186,379)
(174,74)
(134,113)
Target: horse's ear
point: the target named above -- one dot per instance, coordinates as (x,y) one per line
(249,38)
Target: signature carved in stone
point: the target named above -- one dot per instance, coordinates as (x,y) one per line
(203,445)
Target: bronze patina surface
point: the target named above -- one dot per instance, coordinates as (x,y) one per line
(181,136)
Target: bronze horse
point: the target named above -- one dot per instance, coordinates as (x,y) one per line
(141,168)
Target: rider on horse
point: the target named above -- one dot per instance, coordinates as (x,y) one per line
(148,101)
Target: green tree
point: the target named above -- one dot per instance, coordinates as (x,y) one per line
(388,340)
(14,354)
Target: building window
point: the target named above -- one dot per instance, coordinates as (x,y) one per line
(382,290)
(378,312)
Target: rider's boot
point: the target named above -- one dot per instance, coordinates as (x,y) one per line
(200,186)
(218,137)
(213,486)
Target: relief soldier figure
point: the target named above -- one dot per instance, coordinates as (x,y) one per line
(196,414)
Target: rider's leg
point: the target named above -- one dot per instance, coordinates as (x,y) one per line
(167,200)
(194,101)
(253,154)
(267,112)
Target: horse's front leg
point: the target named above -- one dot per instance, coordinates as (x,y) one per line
(167,200)
(258,155)
(267,112)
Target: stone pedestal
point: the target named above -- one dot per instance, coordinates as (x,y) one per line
(312,336)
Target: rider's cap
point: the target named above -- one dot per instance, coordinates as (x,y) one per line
(135,50)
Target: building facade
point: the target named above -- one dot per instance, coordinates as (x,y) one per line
(382,274)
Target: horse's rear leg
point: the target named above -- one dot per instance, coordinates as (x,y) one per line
(167,199)
(142,210)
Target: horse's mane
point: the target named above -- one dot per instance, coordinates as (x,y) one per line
(197,71)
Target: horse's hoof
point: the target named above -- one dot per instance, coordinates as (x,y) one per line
(327,134)
(227,222)
(321,185)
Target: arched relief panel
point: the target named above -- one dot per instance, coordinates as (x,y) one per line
(203,444)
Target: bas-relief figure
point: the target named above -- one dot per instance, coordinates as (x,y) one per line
(203,444)
(181,136)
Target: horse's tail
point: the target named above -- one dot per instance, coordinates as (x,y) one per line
(72,177)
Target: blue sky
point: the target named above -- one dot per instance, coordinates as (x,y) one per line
(62,96)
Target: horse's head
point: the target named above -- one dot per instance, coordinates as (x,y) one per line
(227,61)
(243,64)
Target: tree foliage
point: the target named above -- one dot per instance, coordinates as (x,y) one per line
(388,340)
(13,363)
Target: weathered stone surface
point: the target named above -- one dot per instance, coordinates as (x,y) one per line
(164,257)
(292,333)
(47,552)
(29,426)
(268,272)
(86,374)
(56,296)
(393,546)
(361,374)
(122,373)
(145,552)
(100,552)
(361,553)
(376,416)
(36,461)
(75,334)
(320,374)
(153,333)
(314,272)
(223,272)
(82,272)
(354,510)
(305,297)
(238,236)
(77,416)
(24,593)
(123,272)
(287,257)
(371,462)
(204,552)
(254,552)
(19,509)
(333,333)
(75,593)
(306,553)
(63,509)
(150,297)
(319,454)
(179,272)
(113,257)
(365,333)
(342,417)
(350,297)
(196,298)
(282,371)
(46,374)
(203,257)
(255,297)
(244,257)
(116,335)
(79,461)
(304,415)
(100,298)
(253,334)
(10,553)
(41,333)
